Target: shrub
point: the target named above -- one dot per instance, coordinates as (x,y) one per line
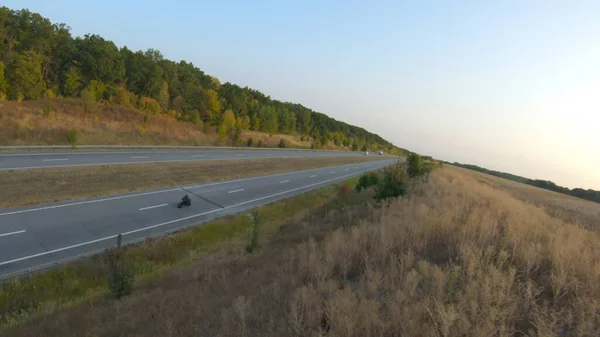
(260,143)
(72,137)
(150,105)
(367,180)
(255,231)
(250,142)
(394,182)
(415,165)
(236,135)
(282,143)
(344,190)
(120,276)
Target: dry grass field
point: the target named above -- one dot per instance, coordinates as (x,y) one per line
(578,211)
(458,256)
(41,123)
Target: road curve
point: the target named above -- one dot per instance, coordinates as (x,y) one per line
(40,236)
(29,160)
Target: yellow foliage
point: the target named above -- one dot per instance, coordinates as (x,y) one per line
(48,93)
(150,105)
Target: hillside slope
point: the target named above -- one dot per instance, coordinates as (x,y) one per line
(39,59)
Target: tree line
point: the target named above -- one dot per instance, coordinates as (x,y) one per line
(587,194)
(40,59)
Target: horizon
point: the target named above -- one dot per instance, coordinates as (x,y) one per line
(510,87)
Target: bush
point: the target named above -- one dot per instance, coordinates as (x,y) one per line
(149,105)
(256,223)
(260,143)
(367,180)
(282,143)
(250,142)
(120,277)
(236,135)
(72,137)
(394,182)
(415,165)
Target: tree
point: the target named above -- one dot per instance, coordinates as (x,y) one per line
(222,131)
(163,96)
(195,117)
(228,119)
(71,82)
(236,135)
(150,105)
(364,148)
(25,76)
(393,183)
(39,54)
(3,82)
(245,123)
(415,165)
(213,107)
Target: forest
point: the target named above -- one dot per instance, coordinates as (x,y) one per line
(41,60)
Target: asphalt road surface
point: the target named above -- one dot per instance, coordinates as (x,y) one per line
(28,160)
(40,236)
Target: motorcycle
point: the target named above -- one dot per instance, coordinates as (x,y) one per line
(184,201)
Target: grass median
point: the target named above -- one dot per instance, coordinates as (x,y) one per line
(51,290)
(34,186)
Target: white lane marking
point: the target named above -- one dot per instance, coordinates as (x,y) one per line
(173,221)
(88,202)
(332,172)
(56,159)
(136,157)
(346,169)
(155,192)
(284,181)
(13,233)
(314,175)
(150,207)
(114,163)
(235,191)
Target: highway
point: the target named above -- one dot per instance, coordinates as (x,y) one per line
(42,235)
(28,160)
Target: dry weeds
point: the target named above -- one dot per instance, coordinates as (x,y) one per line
(25,123)
(582,212)
(454,258)
(25,187)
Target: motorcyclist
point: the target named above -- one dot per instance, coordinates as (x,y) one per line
(186,199)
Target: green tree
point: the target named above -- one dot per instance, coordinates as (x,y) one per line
(71,82)
(213,107)
(394,182)
(3,82)
(96,89)
(364,148)
(245,123)
(195,117)
(415,165)
(25,76)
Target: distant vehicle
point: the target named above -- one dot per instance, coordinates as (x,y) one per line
(381,153)
(366,153)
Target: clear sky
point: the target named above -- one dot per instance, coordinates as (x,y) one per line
(508,85)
